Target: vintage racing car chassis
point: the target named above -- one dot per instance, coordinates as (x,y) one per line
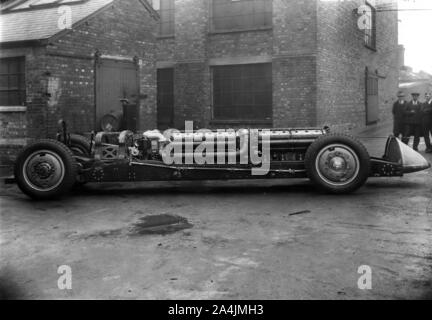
(336,163)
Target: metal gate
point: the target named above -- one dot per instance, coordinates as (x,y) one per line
(165,98)
(116,81)
(372,101)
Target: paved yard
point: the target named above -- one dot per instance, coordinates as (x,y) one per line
(252,240)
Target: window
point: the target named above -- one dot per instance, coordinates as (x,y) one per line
(165,98)
(372,98)
(166,10)
(370,29)
(241,14)
(242,92)
(12,82)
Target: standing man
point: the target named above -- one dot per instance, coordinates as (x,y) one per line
(412,119)
(426,118)
(398,115)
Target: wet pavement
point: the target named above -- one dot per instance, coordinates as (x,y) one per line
(222,240)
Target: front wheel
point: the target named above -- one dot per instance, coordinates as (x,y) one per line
(337,163)
(46,169)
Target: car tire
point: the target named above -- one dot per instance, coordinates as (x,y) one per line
(45,169)
(79,145)
(337,163)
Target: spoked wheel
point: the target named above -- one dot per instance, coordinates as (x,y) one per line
(45,169)
(337,163)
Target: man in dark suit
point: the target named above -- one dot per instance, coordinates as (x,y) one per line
(398,115)
(412,119)
(426,121)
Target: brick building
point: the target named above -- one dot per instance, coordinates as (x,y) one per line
(221,63)
(74,60)
(280,63)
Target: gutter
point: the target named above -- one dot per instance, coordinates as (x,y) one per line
(24,43)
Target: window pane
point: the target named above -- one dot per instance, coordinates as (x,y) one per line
(12,82)
(4,82)
(14,66)
(4,66)
(370,31)
(241,14)
(22,81)
(242,92)
(4,101)
(14,98)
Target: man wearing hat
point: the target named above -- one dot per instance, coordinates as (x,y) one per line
(426,121)
(412,119)
(398,115)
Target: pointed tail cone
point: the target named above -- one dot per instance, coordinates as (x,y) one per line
(411,160)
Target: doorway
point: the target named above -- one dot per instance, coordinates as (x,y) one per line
(117,82)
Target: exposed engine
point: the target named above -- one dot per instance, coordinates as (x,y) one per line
(334,162)
(285,145)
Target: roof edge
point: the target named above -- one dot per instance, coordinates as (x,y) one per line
(150,9)
(23,43)
(12,4)
(61,33)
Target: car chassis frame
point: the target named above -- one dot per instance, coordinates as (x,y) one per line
(336,163)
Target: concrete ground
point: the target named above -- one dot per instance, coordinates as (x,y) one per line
(231,240)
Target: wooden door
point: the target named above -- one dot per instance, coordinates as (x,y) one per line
(115,80)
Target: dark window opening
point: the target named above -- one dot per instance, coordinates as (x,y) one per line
(242,92)
(12,82)
(165,98)
(241,14)
(370,30)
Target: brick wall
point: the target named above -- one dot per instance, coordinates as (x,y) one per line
(294,27)
(294,92)
(195,49)
(192,94)
(166,49)
(318,59)
(13,127)
(294,63)
(125,29)
(240,44)
(18,124)
(342,59)
(191,71)
(70,83)
(60,76)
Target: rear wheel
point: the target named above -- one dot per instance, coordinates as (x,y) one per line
(46,169)
(337,163)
